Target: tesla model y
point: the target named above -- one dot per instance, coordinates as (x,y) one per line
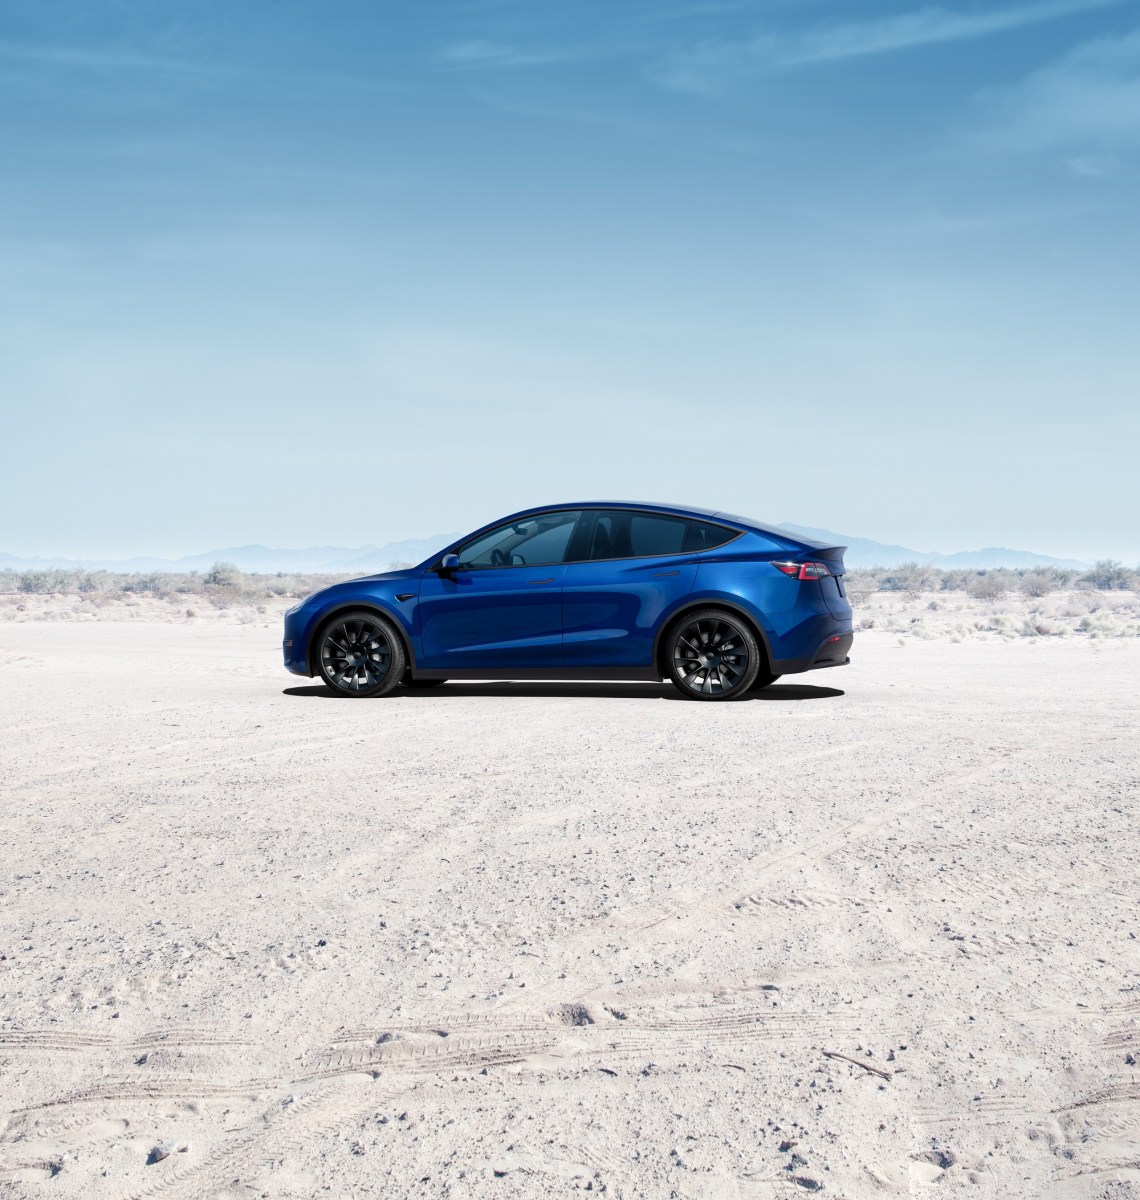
(719,604)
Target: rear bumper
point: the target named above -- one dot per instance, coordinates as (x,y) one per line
(833,651)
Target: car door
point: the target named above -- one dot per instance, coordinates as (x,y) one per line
(502,607)
(632,568)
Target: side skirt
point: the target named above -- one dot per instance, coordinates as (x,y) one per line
(644,674)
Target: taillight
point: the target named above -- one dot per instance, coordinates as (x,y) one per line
(805,570)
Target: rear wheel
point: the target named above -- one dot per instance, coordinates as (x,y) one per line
(713,655)
(360,654)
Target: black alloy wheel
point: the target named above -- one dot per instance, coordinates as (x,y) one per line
(360,654)
(713,656)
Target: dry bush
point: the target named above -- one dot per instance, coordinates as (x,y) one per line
(223,574)
(1039,582)
(156,584)
(93,581)
(911,577)
(990,585)
(42,583)
(860,586)
(120,586)
(956,579)
(1108,575)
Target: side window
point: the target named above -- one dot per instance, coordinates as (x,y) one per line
(704,535)
(531,542)
(620,534)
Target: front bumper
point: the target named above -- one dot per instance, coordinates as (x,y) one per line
(294,647)
(298,667)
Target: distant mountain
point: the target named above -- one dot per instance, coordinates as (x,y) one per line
(315,560)
(365,560)
(862,552)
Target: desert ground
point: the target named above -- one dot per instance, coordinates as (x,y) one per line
(872,933)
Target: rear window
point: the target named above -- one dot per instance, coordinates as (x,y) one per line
(620,534)
(624,534)
(703,535)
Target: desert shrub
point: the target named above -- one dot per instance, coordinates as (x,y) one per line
(1108,574)
(860,585)
(1005,624)
(956,579)
(1101,625)
(990,585)
(1039,582)
(156,583)
(42,582)
(400,566)
(222,574)
(911,577)
(92,581)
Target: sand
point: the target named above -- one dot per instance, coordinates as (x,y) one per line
(873,933)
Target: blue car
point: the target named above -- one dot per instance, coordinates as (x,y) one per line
(719,604)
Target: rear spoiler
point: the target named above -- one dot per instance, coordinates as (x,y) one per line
(832,555)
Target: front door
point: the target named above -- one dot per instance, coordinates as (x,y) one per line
(499,617)
(502,608)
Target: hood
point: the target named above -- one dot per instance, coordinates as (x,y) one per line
(383,576)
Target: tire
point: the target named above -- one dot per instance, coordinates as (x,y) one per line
(408,681)
(713,655)
(764,679)
(359,654)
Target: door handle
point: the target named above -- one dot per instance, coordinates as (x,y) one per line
(536,582)
(662,574)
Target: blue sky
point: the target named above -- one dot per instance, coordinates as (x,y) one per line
(303,273)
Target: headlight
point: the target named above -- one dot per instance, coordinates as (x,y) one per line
(301,604)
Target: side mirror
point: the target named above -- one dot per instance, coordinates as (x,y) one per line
(448,563)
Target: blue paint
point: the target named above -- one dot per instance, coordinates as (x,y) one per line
(571,589)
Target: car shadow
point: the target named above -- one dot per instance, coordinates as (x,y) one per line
(597,690)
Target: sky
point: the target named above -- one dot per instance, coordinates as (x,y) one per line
(303,273)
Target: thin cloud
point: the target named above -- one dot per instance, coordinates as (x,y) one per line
(477,54)
(113,60)
(1086,104)
(105,60)
(705,67)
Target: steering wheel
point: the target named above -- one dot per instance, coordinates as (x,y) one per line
(498,558)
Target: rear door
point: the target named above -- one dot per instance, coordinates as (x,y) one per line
(631,568)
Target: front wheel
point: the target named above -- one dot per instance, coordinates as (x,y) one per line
(360,654)
(713,656)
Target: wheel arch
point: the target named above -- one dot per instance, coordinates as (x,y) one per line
(694,605)
(371,605)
